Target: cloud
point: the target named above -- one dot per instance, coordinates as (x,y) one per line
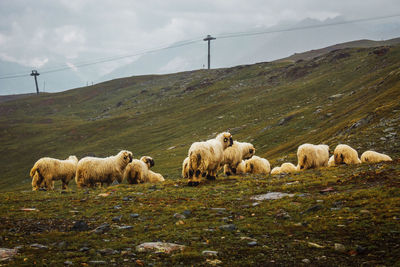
(175,65)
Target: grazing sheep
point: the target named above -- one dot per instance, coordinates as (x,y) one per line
(344,154)
(312,156)
(185,168)
(206,157)
(331,161)
(154,177)
(92,170)
(286,167)
(234,155)
(276,170)
(257,165)
(240,169)
(148,160)
(138,171)
(47,170)
(374,157)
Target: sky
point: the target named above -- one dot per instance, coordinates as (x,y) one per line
(48,34)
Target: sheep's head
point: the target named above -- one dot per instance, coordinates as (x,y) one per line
(249,166)
(126,156)
(73,158)
(248,151)
(148,160)
(226,139)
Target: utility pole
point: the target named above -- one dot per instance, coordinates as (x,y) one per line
(35,74)
(208,39)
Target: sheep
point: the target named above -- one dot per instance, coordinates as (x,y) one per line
(286,167)
(138,171)
(257,165)
(344,154)
(276,170)
(312,156)
(234,155)
(240,169)
(374,157)
(206,157)
(92,170)
(47,170)
(185,168)
(331,161)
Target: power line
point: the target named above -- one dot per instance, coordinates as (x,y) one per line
(189,42)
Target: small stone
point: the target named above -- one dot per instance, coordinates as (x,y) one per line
(361,250)
(180,222)
(218,209)
(7,253)
(134,215)
(159,247)
(102,228)
(187,213)
(126,198)
(339,247)
(252,243)
(84,249)
(108,251)
(213,262)
(118,207)
(271,196)
(125,227)
(38,246)
(117,218)
(365,211)
(209,253)
(68,263)
(228,227)
(255,204)
(305,261)
(179,216)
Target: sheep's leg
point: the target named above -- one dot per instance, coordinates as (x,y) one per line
(195,179)
(211,175)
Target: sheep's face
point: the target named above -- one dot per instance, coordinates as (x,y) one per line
(249,151)
(126,156)
(226,139)
(148,160)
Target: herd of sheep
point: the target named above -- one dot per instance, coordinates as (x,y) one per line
(204,159)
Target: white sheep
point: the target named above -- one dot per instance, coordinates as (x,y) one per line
(312,156)
(206,157)
(92,170)
(286,167)
(257,165)
(234,155)
(240,169)
(345,154)
(185,168)
(138,171)
(47,170)
(374,157)
(331,161)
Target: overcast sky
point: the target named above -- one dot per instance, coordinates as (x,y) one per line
(50,33)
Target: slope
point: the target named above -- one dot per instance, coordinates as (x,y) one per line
(345,96)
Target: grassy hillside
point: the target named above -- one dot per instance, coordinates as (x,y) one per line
(338,216)
(350,96)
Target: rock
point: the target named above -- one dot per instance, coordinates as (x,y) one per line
(7,253)
(228,227)
(218,209)
(159,247)
(108,251)
(339,247)
(80,226)
(271,196)
(285,120)
(282,214)
(333,97)
(126,199)
(179,216)
(38,246)
(307,261)
(102,228)
(84,249)
(327,190)
(209,253)
(134,215)
(255,204)
(117,207)
(117,218)
(252,243)
(68,263)
(125,227)
(187,213)
(315,245)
